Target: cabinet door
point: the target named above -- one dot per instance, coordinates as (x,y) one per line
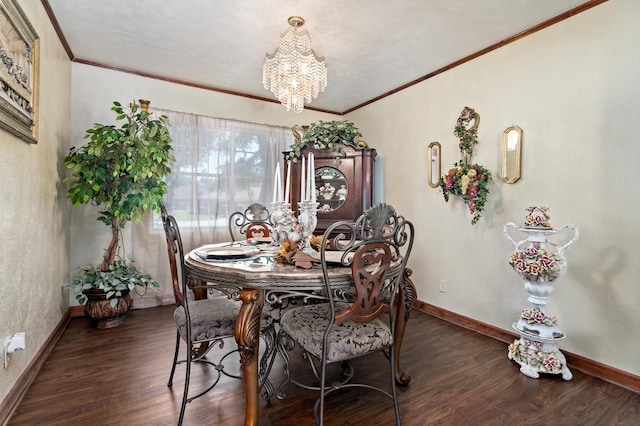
(344,188)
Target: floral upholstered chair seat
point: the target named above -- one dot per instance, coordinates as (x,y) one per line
(210,318)
(352,339)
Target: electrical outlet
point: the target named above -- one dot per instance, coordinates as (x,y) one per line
(12,344)
(443,286)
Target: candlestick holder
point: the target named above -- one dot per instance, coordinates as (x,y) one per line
(308,220)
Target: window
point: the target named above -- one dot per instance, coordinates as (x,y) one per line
(221,166)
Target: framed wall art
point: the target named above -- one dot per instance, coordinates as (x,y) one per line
(18,73)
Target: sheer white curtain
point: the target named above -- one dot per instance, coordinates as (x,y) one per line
(221,166)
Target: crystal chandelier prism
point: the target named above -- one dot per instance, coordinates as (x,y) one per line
(294,72)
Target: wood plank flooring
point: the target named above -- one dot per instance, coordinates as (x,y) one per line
(119,377)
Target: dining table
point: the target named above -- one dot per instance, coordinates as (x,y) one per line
(260,279)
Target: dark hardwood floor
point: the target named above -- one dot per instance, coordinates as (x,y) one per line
(119,376)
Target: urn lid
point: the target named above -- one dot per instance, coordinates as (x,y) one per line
(537,218)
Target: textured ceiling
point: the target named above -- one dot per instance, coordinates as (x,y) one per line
(371,47)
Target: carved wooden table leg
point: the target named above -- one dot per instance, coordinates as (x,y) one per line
(406,298)
(248,337)
(200,292)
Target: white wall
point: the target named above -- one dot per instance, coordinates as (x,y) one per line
(573,88)
(34,255)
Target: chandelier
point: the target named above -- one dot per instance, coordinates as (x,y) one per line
(294,72)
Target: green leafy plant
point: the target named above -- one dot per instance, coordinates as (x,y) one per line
(332,135)
(468,138)
(119,280)
(121,170)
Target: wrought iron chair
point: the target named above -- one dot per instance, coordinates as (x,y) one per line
(201,324)
(253,222)
(376,247)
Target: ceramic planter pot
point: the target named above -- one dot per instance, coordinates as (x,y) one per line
(100,311)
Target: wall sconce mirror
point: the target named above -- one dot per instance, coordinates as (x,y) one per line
(511,154)
(433,162)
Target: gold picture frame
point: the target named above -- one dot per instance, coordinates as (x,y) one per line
(434,155)
(19,73)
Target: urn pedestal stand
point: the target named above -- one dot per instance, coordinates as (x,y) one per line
(539,262)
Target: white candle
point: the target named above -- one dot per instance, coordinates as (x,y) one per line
(275,184)
(279,193)
(303,183)
(287,183)
(307,188)
(312,172)
(312,178)
(308,192)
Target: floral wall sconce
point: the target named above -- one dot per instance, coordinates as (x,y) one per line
(433,164)
(465,179)
(511,154)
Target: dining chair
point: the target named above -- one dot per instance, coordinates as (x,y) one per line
(201,324)
(352,324)
(253,222)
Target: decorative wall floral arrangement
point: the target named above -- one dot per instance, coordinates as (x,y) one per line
(469,181)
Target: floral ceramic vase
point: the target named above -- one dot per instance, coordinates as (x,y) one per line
(539,262)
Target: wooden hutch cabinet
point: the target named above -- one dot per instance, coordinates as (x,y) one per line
(344,188)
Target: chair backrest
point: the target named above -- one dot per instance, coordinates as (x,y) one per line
(376,247)
(369,269)
(253,222)
(176,254)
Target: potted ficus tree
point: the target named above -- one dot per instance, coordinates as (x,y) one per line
(120,170)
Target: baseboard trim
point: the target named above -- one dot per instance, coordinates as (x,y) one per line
(577,362)
(76,311)
(18,391)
